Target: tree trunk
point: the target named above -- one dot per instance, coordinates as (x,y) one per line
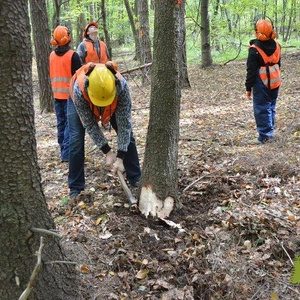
(144,36)
(104,25)
(158,196)
(22,202)
(56,13)
(41,37)
(205,35)
(184,78)
(134,30)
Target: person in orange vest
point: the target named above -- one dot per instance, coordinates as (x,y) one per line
(63,64)
(98,92)
(91,49)
(263,78)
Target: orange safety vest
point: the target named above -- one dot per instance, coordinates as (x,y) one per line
(60,74)
(80,76)
(92,55)
(270,72)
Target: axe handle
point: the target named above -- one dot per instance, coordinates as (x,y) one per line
(127,191)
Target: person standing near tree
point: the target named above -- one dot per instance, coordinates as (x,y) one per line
(263,78)
(92,49)
(63,64)
(98,92)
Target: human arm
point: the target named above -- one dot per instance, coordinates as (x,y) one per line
(76,63)
(252,67)
(123,117)
(81,51)
(89,120)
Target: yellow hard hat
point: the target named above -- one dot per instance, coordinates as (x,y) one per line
(102,86)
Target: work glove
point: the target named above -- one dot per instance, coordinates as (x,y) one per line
(110,158)
(248,95)
(118,166)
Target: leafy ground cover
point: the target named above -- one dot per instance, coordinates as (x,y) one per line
(236,235)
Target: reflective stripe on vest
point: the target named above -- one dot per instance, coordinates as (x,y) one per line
(107,111)
(92,55)
(270,73)
(60,74)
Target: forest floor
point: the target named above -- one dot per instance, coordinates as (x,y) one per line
(238,232)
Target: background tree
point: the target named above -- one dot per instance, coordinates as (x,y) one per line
(105,29)
(159,179)
(144,35)
(41,38)
(205,35)
(22,202)
(183,67)
(134,30)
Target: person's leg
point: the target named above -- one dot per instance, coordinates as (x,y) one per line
(76,180)
(131,159)
(274,95)
(65,143)
(60,123)
(263,112)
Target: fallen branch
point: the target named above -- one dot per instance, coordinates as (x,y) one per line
(194,182)
(135,69)
(61,262)
(281,244)
(34,274)
(45,231)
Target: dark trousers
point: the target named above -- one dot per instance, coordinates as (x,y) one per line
(264,108)
(62,128)
(76,178)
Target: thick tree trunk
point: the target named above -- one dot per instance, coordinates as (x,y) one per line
(41,37)
(158,196)
(22,202)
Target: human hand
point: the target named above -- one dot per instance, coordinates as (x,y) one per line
(248,95)
(110,158)
(118,166)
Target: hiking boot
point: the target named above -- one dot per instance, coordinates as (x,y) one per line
(259,141)
(135,184)
(74,194)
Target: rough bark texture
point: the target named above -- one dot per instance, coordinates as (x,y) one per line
(159,181)
(184,78)
(22,202)
(144,36)
(41,38)
(205,35)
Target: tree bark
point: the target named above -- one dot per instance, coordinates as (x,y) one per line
(144,36)
(205,35)
(134,30)
(104,25)
(184,78)
(158,196)
(41,38)
(22,202)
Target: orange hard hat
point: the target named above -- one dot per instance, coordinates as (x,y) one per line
(85,31)
(264,30)
(61,36)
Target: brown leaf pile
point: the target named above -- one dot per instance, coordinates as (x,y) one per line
(238,231)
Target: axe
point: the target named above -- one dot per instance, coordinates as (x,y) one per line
(127,191)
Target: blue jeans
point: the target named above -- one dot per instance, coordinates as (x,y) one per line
(62,128)
(76,178)
(264,108)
